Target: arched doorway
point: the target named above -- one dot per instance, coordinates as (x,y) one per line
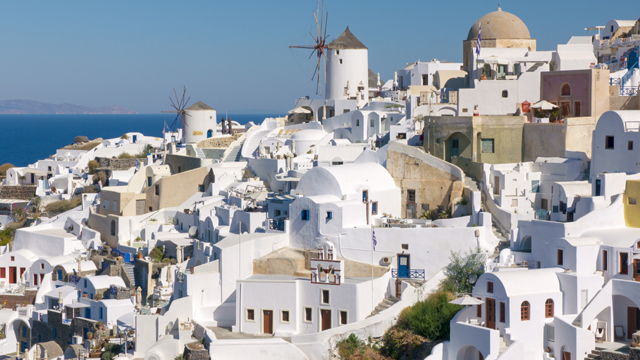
(209,133)
(469,352)
(457,145)
(526,244)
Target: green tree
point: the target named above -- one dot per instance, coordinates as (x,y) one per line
(4,168)
(461,268)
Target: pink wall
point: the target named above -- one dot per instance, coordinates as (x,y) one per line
(580,82)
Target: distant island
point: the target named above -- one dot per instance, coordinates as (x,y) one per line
(37,107)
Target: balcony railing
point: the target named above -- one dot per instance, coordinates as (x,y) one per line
(407,273)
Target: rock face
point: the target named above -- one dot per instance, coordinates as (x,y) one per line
(80,139)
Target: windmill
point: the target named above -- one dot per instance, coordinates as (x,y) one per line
(320,43)
(179,105)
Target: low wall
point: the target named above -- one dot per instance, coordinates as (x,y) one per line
(17,192)
(117,164)
(471,168)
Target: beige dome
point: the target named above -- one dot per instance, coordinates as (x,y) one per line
(500,25)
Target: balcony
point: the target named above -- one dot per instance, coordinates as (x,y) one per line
(408,274)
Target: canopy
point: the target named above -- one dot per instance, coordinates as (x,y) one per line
(466,300)
(300,110)
(496,60)
(544,105)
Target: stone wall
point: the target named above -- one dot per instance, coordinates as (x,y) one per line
(116,164)
(617,102)
(13,300)
(17,192)
(195,351)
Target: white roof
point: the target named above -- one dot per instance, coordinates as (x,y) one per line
(66,290)
(72,266)
(345,153)
(27,254)
(308,134)
(616,237)
(116,302)
(345,179)
(105,281)
(538,281)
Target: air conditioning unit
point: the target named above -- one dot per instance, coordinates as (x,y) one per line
(386,260)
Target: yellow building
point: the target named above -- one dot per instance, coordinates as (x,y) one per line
(631,204)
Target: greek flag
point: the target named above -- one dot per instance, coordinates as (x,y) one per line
(374,240)
(137,163)
(479,39)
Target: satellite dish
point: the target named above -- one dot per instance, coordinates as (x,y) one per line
(473,278)
(193,231)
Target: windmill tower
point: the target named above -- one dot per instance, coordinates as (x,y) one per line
(347,69)
(198,121)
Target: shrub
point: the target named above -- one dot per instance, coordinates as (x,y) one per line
(430,318)
(429,215)
(125,155)
(4,167)
(460,268)
(61,206)
(93,165)
(156,254)
(90,189)
(403,344)
(125,136)
(100,175)
(350,346)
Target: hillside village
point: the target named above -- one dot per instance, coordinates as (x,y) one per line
(284,238)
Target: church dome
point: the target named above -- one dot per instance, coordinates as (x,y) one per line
(500,25)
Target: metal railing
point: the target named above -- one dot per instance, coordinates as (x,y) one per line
(408,273)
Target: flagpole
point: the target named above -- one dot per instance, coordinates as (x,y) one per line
(373,248)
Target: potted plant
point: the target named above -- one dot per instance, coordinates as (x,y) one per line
(139,254)
(90,335)
(100,325)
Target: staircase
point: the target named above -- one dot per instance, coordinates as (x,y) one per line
(503,346)
(471,184)
(131,271)
(595,354)
(234,155)
(384,305)
(199,153)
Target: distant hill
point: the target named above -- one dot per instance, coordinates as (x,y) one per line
(37,107)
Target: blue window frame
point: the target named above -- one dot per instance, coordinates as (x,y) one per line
(555,208)
(374,208)
(101,313)
(305,215)
(329,215)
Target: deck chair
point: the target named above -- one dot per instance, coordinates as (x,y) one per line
(599,335)
(619,333)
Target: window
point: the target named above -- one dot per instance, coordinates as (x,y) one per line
(516,69)
(329,215)
(365,196)
(608,142)
(340,61)
(115,206)
(157,189)
(505,93)
(535,186)
(490,287)
(503,312)
(605,260)
(149,181)
(105,204)
(251,315)
(548,308)
(284,316)
(308,314)
(3,273)
(632,201)
(425,79)
(13,258)
(276,212)
(524,311)
(411,196)
(374,208)
(357,122)
(344,317)
(179,169)
(404,246)
(337,52)
(514,202)
(325,297)
(555,208)
(425,207)
(565,90)
(48,168)
(113,228)
(488,146)
(630,145)
(624,263)
(551,332)
(560,257)
(305,215)
(337,163)
(576,108)
(101,313)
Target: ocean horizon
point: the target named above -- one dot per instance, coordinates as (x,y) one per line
(29,138)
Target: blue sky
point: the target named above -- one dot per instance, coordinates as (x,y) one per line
(234,55)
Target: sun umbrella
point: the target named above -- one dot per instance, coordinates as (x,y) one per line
(544,105)
(466,300)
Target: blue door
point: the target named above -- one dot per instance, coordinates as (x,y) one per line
(403,266)
(598,185)
(59,275)
(127,257)
(209,134)
(88,313)
(135,138)
(455,147)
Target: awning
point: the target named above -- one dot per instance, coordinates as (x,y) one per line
(300,110)
(495,60)
(77,305)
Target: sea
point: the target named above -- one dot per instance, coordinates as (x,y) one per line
(29,138)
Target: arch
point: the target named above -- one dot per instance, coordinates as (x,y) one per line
(505,93)
(457,144)
(526,244)
(469,352)
(113,228)
(525,311)
(209,133)
(565,90)
(548,308)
